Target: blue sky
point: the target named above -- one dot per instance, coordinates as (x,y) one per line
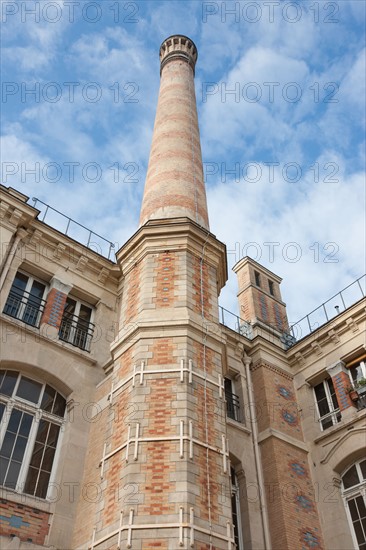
(280,91)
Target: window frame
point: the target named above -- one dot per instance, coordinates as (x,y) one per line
(362,365)
(22,308)
(333,413)
(73,328)
(234,400)
(235,494)
(14,402)
(352,493)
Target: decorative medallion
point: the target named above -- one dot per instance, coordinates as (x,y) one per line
(288,417)
(284,392)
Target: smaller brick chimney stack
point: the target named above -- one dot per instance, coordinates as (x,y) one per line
(259,295)
(174,184)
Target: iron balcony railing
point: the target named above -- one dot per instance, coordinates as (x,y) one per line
(233,406)
(76,331)
(73,229)
(22,305)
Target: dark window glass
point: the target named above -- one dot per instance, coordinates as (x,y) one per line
(29,390)
(13,447)
(42,459)
(351,478)
(257,278)
(8,382)
(271,287)
(48,399)
(358,514)
(59,405)
(363,468)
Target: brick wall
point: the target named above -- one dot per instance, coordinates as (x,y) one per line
(27,523)
(54,309)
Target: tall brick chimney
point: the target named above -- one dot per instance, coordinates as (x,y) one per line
(161,444)
(174,184)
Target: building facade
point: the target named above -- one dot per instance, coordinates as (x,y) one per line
(138,414)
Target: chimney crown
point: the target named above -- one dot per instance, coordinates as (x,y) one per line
(178,46)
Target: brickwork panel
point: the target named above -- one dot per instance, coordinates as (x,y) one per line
(54,308)
(276,402)
(290,495)
(26,523)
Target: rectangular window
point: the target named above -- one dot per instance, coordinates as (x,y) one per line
(257,278)
(232,401)
(76,328)
(25,300)
(328,408)
(358,372)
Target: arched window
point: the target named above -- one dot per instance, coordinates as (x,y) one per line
(31,416)
(354,493)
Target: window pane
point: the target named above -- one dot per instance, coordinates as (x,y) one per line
(323,407)
(363,468)
(320,391)
(19,448)
(70,306)
(361,507)
(12,475)
(53,435)
(8,444)
(48,459)
(332,393)
(31,482)
(350,478)
(42,431)
(14,421)
(85,313)
(29,390)
(42,485)
(48,398)
(59,406)
(3,466)
(20,281)
(8,382)
(37,291)
(359,532)
(25,424)
(42,459)
(37,455)
(13,447)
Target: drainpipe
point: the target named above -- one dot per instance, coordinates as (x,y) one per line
(267,539)
(19,235)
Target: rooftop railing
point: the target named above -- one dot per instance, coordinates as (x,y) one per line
(308,324)
(329,309)
(73,229)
